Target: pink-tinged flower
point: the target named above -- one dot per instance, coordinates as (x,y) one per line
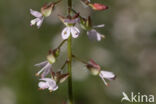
(96,70)
(94,35)
(106,75)
(70,30)
(48,83)
(91,32)
(46,67)
(93,67)
(99,7)
(38,20)
(45,12)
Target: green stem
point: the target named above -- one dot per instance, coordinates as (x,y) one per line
(79,59)
(57,2)
(64,65)
(61,44)
(70,94)
(69,6)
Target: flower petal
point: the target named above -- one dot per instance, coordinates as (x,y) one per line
(42,64)
(51,84)
(98,36)
(66,33)
(71,21)
(75,32)
(35,13)
(43,85)
(53,88)
(46,71)
(99,26)
(103,79)
(93,35)
(107,75)
(39,23)
(33,22)
(46,67)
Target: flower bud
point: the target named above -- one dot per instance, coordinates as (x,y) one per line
(98,7)
(93,67)
(63,77)
(52,55)
(83,24)
(86,23)
(56,52)
(47,8)
(59,77)
(51,58)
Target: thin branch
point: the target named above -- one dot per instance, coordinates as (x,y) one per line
(78,59)
(61,44)
(62,67)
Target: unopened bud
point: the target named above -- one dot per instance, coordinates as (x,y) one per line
(47,9)
(63,77)
(93,67)
(56,52)
(98,7)
(51,58)
(86,24)
(59,77)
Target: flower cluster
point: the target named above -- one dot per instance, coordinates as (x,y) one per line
(46,68)
(70,21)
(49,79)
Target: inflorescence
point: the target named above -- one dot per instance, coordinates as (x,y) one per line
(70,30)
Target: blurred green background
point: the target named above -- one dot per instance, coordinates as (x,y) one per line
(129,50)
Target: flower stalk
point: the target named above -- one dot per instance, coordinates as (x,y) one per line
(78,59)
(69,5)
(60,45)
(70,93)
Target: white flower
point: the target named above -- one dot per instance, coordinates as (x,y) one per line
(38,20)
(48,83)
(106,75)
(70,28)
(74,31)
(94,35)
(46,67)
